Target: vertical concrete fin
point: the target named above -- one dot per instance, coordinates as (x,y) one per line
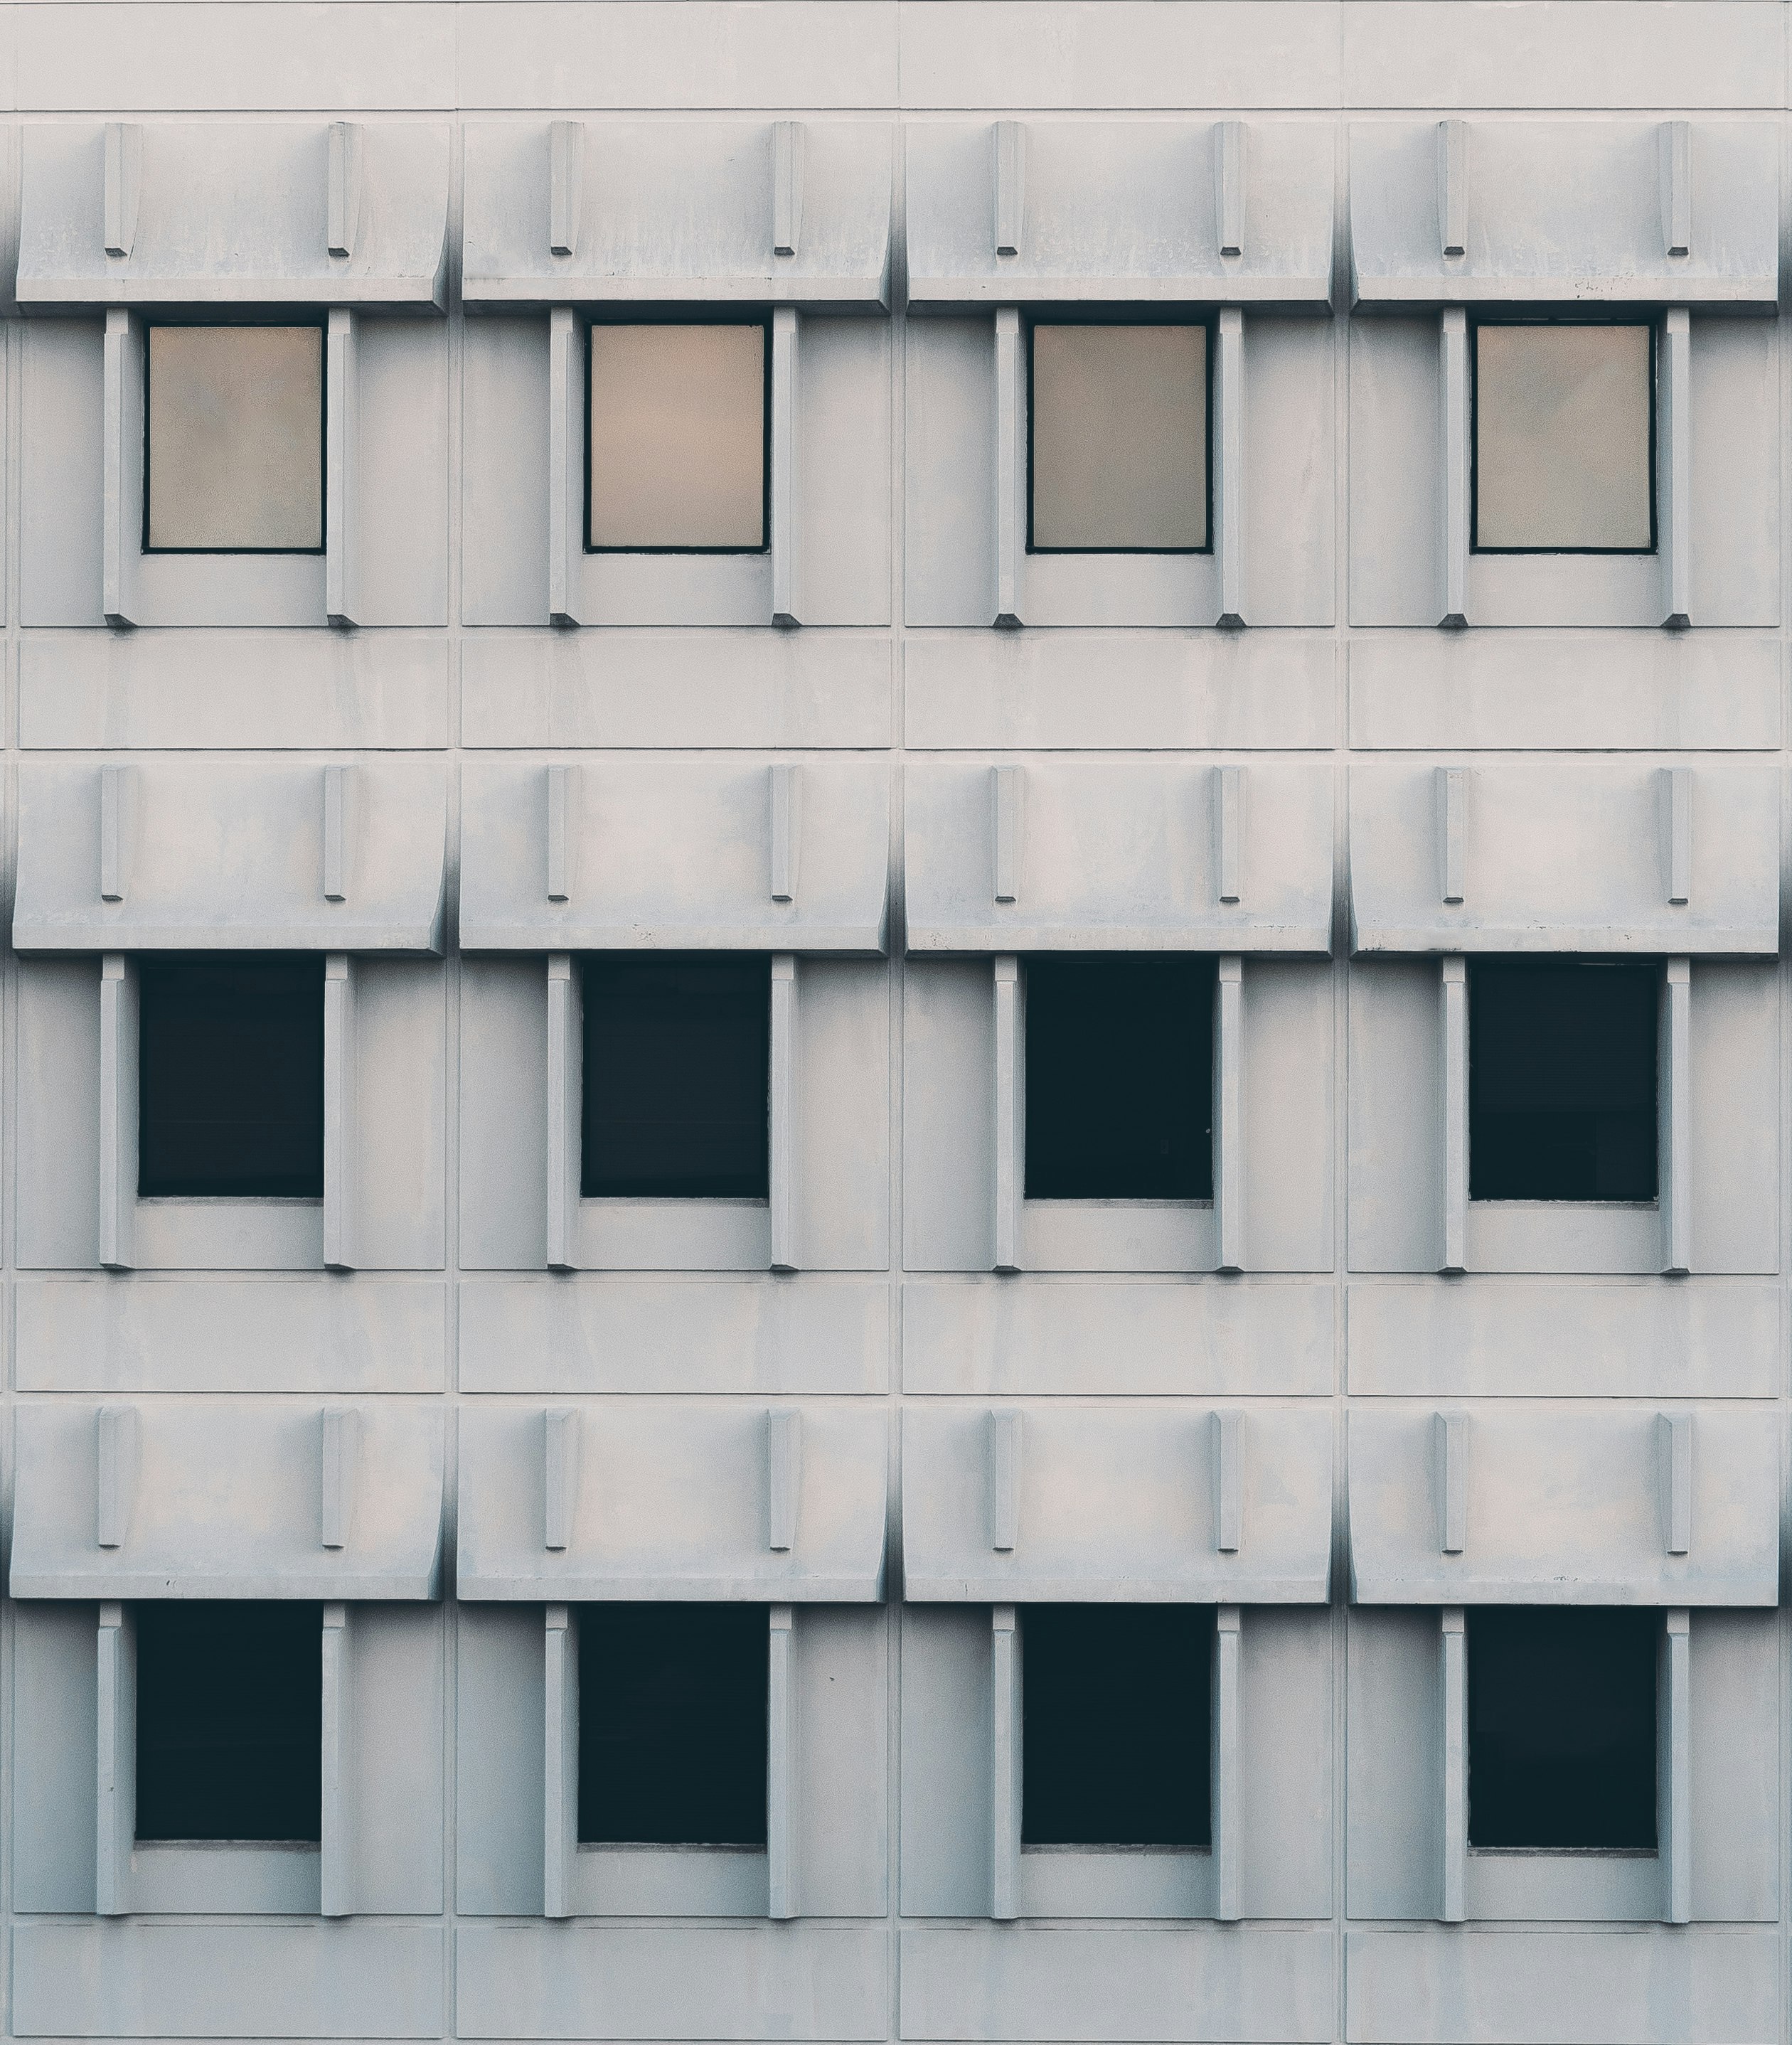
(1677,186)
(559,1802)
(563,786)
(341,1430)
(1452,1908)
(1674,1143)
(565,1110)
(117,803)
(1675,384)
(1452,187)
(1673,1435)
(1676,785)
(336,1830)
(1005,1442)
(1011,1111)
(1675,1788)
(339,792)
(1228,1769)
(118,1112)
(116,1773)
(1008,798)
(1453,1113)
(1004,1901)
(1229,161)
(783,1765)
(784,789)
(342,550)
(1452,824)
(566,185)
(561,1441)
(1225,1430)
(1011,466)
(346,155)
(1454,397)
(122,506)
(1450,1450)
(566,466)
(1228,1113)
(1228,833)
(124,185)
(117,1438)
(1011,184)
(784,1476)
(783,1171)
(783,537)
(1229,465)
(787,138)
(341,1109)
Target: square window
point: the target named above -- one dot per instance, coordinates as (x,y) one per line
(673,1724)
(230,1078)
(677,1078)
(234,440)
(1562,1079)
(1119,1079)
(229,1721)
(1561,1728)
(678,428)
(1119,426)
(1564,438)
(1116,1712)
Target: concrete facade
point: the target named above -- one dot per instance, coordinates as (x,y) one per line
(1341,751)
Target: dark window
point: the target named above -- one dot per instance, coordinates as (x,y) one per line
(230,1078)
(1116,1706)
(671,1724)
(1562,1727)
(1562,1079)
(677,1077)
(229,1720)
(1119,1079)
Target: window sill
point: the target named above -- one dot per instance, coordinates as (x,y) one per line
(1612,1885)
(228,1876)
(674,1236)
(230,1235)
(1116,1881)
(1616,1236)
(671,1881)
(1118,1235)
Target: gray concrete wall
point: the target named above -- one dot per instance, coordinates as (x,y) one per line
(1289,1361)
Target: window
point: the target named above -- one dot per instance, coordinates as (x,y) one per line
(677,1078)
(229,1721)
(678,430)
(1564,438)
(1119,1079)
(1561,1728)
(1116,1709)
(673,1724)
(1562,1079)
(234,448)
(230,1078)
(1119,424)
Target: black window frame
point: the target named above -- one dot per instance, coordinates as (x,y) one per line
(1122,316)
(685,316)
(305,316)
(1651,322)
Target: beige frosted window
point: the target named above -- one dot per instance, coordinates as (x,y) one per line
(236,438)
(678,436)
(1118,418)
(1562,420)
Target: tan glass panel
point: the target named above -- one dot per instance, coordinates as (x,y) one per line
(1119,437)
(1562,437)
(678,436)
(235,437)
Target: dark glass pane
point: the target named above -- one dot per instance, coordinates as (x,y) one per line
(1116,1705)
(1119,1079)
(677,1074)
(229,1720)
(1562,1080)
(671,1724)
(230,1078)
(1562,1727)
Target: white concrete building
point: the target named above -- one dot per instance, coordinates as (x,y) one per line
(894,1122)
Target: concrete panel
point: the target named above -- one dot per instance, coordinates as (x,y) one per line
(1290,463)
(396,1657)
(146,691)
(1395,1197)
(504,469)
(1510,692)
(61,462)
(1446,1339)
(1035,1337)
(948,1116)
(999,1981)
(1396,456)
(1235,692)
(401,1167)
(499,1721)
(1286,1761)
(1452,1987)
(1736,1775)
(317,1334)
(349,1980)
(748,1981)
(947,1765)
(401,533)
(1737,439)
(55,1729)
(1393,1782)
(949,488)
(746,689)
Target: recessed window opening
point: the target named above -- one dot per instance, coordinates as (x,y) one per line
(1116,1712)
(1562,1079)
(233,439)
(1562,1729)
(679,427)
(1564,441)
(1120,1078)
(229,1721)
(1118,437)
(673,1724)
(230,1078)
(677,1078)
